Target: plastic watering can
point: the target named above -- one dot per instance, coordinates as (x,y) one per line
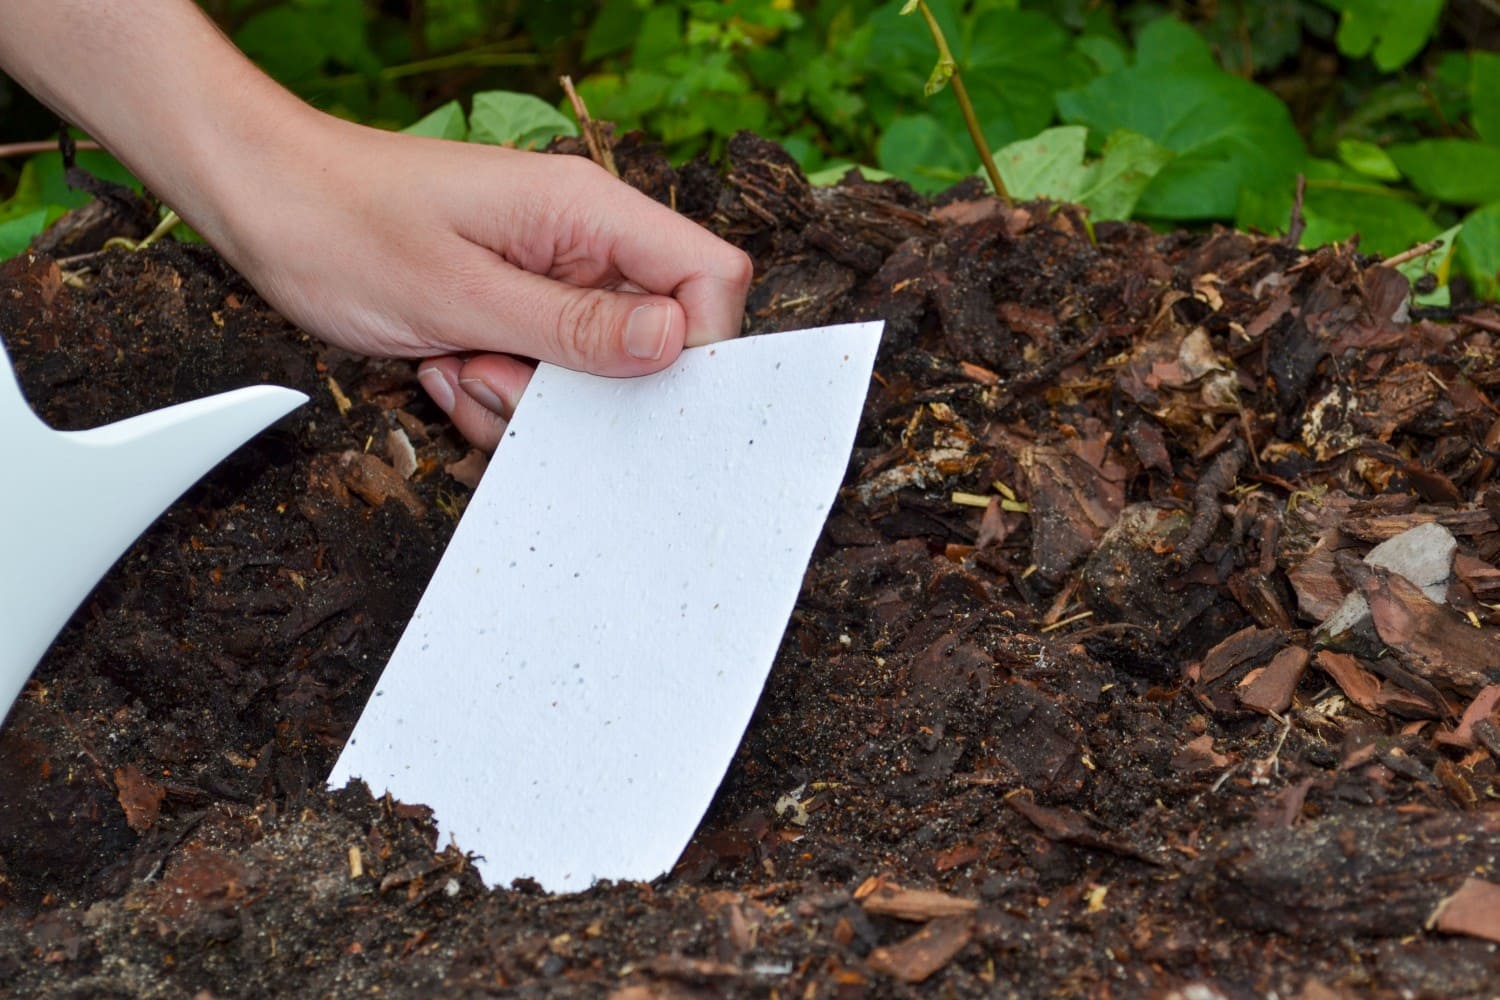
(75,500)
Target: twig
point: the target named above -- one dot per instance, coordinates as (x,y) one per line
(1298,225)
(35,146)
(1482,322)
(1067,621)
(593,133)
(1420,250)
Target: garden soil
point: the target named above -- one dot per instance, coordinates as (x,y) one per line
(1054,715)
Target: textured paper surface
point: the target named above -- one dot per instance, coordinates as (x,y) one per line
(585,660)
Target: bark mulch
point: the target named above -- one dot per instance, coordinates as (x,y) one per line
(1152,649)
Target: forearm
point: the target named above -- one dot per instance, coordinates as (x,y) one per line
(158,85)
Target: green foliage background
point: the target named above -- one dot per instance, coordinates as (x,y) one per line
(1179,113)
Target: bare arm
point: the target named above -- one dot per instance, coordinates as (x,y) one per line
(475,257)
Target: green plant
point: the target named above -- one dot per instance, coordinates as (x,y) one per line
(945,73)
(42,194)
(1123,107)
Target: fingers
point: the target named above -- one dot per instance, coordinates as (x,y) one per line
(503,309)
(496,381)
(589,229)
(663,252)
(479,395)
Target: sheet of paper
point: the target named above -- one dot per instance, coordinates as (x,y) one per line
(581,668)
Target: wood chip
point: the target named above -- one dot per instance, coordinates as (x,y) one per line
(1199,755)
(402,455)
(375,482)
(1269,691)
(925,952)
(1358,684)
(339,399)
(1438,644)
(469,469)
(1486,705)
(1482,579)
(413,425)
(916,904)
(1247,646)
(139,796)
(1474,911)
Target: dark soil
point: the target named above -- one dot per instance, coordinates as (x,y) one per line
(1068,735)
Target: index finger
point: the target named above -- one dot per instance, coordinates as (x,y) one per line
(664,252)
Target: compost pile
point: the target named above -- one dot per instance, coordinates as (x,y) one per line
(1152,648)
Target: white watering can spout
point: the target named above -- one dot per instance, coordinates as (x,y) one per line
(75,500)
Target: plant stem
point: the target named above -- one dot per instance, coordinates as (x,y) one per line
(41,146)
(961,93)
(486,57)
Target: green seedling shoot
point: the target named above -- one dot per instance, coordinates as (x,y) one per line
(946,72)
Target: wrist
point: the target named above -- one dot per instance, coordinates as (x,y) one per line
(244,157)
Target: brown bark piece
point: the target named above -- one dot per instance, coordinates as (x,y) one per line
(1358,684)
(1247,646)
(1485,706)
(375,482)
(1075,499)
(1474,910)
(916,904)
(1437,644)
(469,469)
(1315,878)
(925,952)
(1270,690)
(1199,755)
(1378,527)
(1070,827)
(139,796)
(1316,583)
(1482,579)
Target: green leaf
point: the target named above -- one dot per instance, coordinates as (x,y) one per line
(506,118)
(1391,32)
(1114,184)
(1167,43)
(1339,204)
(925,153)
(1369,159)
(1228,134)
(17,233)
(446,122)
(1453,170)
(297,41)
(942,72)
(1108,55)
(1013,63)
(452,24)
(43,181)
(1048,165)
(614,29)
(659,38)
(1437,262)
(1484,95)
(1051,165)
(1478,250)
(833,173)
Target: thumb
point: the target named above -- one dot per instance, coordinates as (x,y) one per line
(596,330)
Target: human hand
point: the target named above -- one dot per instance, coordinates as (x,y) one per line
(474,257)
(480,259)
